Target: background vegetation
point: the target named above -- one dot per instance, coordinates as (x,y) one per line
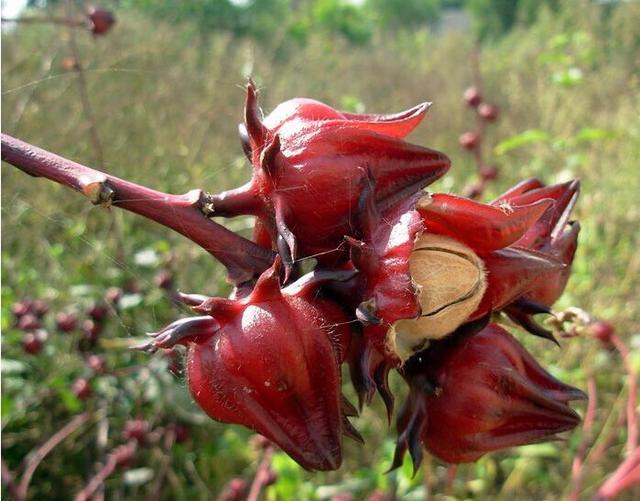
(166,88)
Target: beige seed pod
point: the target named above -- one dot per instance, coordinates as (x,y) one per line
(450,280)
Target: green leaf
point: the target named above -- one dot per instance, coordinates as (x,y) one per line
(568,78)
(530,136)
(588,134)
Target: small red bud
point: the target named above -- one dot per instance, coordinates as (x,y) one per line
(164,280)
(113,295)
(40,308)
(28,322)
(182,433)
(69,64)
(136,429)
(602,331)
(81,388)
(96,363)
(32,342)
(21,308)
(66,322)
(489,172)
(488,112)
(101,20)
(91,331)
(235,490)
(469,140)
(472,96)
(98,312)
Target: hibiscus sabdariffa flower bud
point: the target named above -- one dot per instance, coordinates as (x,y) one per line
(450,281)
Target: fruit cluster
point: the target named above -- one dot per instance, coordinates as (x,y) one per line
(402,279)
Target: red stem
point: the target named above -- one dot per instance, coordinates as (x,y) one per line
(578,460)
(9,483)
(107,470)
(185,214)
(625,476)
(262,475)
(632,396)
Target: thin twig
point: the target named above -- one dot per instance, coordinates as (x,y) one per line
(116,458)
(632,393)
(587,426)
(8,481)
(262,474)
(165,463)
(626,475)
(243,259)
(34,459)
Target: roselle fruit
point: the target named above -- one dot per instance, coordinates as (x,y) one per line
(33,342)
(297,161)
(81,388)
(488,112)
(100,20)
(28,322)
(472,96)
(404,280)
(270,361)
(469,140)
(66,322)
(439,261)
(477,392)
(21,308)
(489,173)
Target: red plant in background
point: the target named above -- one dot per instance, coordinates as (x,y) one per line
(472,141)
(101,20)
(405,280)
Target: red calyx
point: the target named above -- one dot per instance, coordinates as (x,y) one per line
(32,342)
(98,312)
(603,331)
(488,112)
(479,392)
(472,96)
(270,361)
(66,322)
(21,308)
(469,140)
(299,161)
(96,363)
(489,172)
(101,20)
(81,388)
(28,322)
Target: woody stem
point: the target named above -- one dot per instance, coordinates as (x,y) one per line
(186,214)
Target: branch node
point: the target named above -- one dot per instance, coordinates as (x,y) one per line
(99,193)
(206,204)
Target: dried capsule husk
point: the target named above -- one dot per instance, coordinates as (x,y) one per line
(450,280)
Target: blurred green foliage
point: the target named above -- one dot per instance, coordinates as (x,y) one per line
(167,101)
